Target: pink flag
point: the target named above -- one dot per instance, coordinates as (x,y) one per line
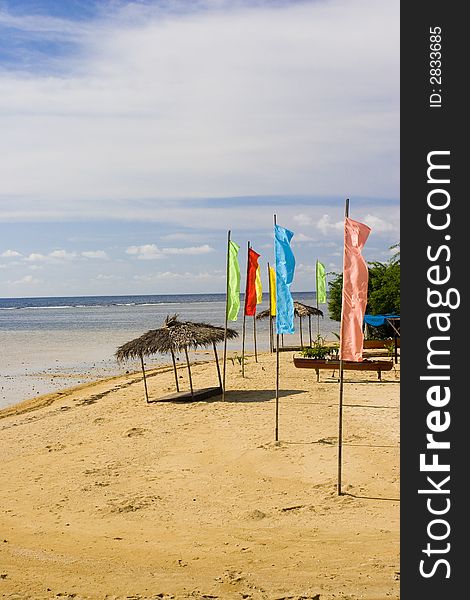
(355,279)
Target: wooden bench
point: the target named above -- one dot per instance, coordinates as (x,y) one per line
(366,365)
(197,395)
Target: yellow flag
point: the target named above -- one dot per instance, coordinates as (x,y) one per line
(272,286)
(258,287)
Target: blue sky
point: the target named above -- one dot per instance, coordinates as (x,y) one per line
(134,134)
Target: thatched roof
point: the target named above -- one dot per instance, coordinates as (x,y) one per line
(304,310)
(300,310)
(173,336)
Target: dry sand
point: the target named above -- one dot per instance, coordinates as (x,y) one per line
(105,496)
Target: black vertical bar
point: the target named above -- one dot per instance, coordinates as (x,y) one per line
(434,239)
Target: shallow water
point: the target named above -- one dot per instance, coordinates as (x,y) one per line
(47,344)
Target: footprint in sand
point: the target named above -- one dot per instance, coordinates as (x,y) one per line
(135,431)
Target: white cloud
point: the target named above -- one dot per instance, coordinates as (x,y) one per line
(325,225)
(62,254)
(209,276)
(152,252)
(301,238)
(26,280)
(191,250)
(10,254)
(301,268)
(104,277)
(94,254)
(379,225)
(204,104)
(302,219)
(145,252)
(35,257)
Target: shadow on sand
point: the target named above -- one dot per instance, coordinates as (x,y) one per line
(239,396)
(370,497)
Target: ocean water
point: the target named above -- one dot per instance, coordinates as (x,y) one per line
(48,344)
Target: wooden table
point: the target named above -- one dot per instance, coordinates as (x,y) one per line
(366,365)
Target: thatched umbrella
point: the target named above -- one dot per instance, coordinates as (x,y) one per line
(175,336)
(304,310)
(300,310)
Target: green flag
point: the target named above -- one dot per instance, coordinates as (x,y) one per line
(321,283)
(233,282)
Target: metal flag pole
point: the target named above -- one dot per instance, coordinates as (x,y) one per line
(276,431)
(341,381)
(318,314)
(226,316)
(254,337)
(244,310)
(271,341)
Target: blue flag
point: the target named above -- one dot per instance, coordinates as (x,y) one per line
(285,265)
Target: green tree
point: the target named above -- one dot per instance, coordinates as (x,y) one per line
(383,290)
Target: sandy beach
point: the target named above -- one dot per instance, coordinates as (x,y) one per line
(106,497)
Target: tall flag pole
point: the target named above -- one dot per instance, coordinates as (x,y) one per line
(320,286)
(244,309)
(270,311)
(259,299)
(253,295)
(272,302)
(353,308)
(232,295)
(285,266)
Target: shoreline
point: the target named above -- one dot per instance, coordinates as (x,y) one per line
(131,377)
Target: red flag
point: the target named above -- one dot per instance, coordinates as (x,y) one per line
(250,294)
(355,280)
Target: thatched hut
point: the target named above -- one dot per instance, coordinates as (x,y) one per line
(301,310)
(176,336)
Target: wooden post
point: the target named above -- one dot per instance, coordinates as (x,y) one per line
(340,411)
(301,337)
(217,364)
(310,329)
(226,316)
(175,371)
(145,379)
(189,371)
